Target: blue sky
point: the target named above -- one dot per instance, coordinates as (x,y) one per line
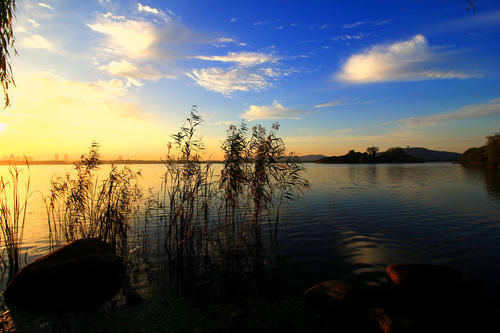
(335,74)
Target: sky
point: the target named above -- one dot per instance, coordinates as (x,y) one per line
(336,75)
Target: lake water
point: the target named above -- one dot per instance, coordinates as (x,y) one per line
(357,219)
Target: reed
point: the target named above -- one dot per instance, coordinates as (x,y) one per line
(212,222)
(14,197)
(82,206)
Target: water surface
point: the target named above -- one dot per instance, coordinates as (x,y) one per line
(357,219)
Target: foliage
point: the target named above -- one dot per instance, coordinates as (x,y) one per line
(372,151)
(7,13)
(13,206)
(391,155)
(471,4)
(81,206)
(489,154)
(493,149)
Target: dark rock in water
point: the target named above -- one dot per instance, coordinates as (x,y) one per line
(79,276)
(338,303)
(424,276)
(331,290)
(382,321)
(133,298)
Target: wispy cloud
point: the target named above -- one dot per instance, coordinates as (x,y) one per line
(34,23)
(339,103)
(492,108)
(329,104)
(401,61)
(359,23)
(133,73)
(36,42)
(233,19)
(354,25)
(245,59)
(273,111)
(44,5)
(151,10)
(351,36)
(227,81)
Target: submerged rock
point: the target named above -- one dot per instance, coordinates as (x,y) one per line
(339,304)
(418,276)
(381,320)
(79,276)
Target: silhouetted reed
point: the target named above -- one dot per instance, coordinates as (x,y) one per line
(82,206)
(212,223)
(13,206)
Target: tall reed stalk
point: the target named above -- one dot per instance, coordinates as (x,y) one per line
(13,207)
(82,206)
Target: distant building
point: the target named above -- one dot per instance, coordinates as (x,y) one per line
(56,157)
(66,157)
(120,157)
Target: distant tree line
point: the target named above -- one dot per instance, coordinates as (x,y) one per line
(391,155)
(487,155)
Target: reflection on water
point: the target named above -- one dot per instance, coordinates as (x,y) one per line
(357,219)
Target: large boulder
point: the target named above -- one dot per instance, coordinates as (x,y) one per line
(79,276)
(338,303)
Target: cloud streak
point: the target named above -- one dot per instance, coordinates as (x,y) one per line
(328,105)
(245,59)
(133,73)
(492,108)
(274,111)
(402,61)
(228,81)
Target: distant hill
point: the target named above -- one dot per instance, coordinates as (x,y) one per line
(392,155)
(432,155)
(310,158)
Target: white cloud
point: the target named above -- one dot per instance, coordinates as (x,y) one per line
(114,86)
(131,72)
(36,42)
(357,24)
(226,40)
(34,23)
(354,25)
(222,122)
(233,19)
(151,10)
(19,28)
(44,5)
(140,38)
(273,111)
(246,59)
(350,37)
(329,104)
(227,81)
(492,108)
(402,61)
(133,38)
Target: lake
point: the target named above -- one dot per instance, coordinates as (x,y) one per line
(357,219)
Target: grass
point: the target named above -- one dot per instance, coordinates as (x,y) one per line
(82,206)
(14,197)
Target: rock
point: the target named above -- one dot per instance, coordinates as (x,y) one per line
(337,303)
(79,276)
(133,298)
(417,276)
(331,291)
(381,320)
